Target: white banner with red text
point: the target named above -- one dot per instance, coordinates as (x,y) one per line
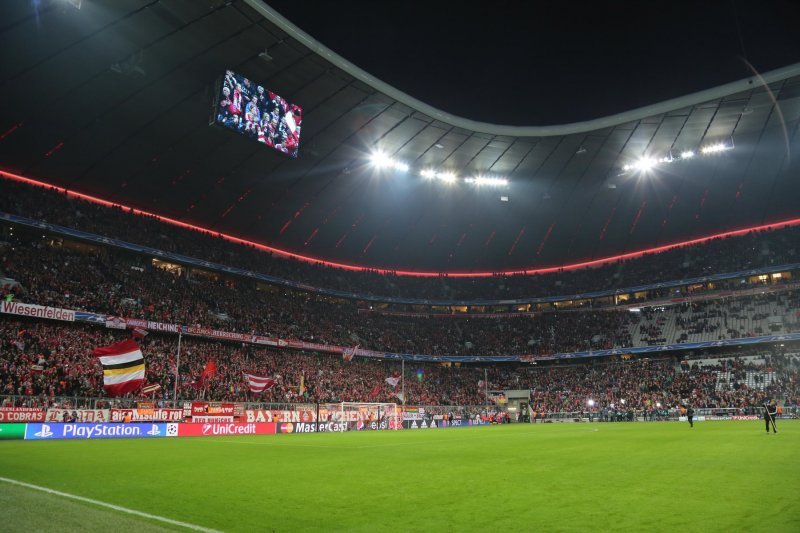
(78,415)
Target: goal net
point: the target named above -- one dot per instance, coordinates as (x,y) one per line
(355,416)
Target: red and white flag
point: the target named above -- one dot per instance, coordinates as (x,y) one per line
(349,353)
(258,383)
(151,389)
(393,381)
(209,371)
(123,367)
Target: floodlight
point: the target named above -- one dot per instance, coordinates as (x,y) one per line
(379,159)
(687,154)
(487,180)
(400,166)
(427,173)
(447,177)
(645,164)
(713,148)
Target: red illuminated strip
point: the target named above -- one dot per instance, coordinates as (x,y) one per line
(284,253)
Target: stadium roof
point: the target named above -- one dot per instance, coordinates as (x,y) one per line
(113,100)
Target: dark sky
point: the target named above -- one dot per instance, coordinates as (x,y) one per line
(538,63)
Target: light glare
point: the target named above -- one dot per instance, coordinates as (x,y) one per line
(713,148)
(447,177)
(487,180)
(381,160)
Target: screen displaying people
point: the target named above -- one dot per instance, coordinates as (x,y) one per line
(259,114)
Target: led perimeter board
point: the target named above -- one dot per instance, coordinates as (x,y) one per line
(257,113)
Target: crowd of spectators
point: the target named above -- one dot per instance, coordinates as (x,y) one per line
(119,284)
(122,285)
(757,249)
(48,360)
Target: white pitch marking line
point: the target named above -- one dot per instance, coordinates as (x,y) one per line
(110,506)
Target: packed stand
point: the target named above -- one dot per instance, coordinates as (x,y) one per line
(119,284)
(43,360)
(757,249)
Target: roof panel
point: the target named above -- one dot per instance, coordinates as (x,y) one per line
(129,122)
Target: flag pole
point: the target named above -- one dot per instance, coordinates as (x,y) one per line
(485,387)
(403,379)
(177,371)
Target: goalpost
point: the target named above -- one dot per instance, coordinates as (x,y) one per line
(356,416)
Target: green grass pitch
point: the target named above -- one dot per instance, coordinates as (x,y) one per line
(718,476)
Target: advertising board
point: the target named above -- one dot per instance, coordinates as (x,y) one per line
(94,431)
(216,430)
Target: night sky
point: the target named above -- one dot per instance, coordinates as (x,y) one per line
(537,63)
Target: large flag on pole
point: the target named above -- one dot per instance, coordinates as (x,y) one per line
(258,383)
(393,381)
(123,367)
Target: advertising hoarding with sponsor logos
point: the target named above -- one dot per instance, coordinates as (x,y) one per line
(310,427)
(216,430)
(433,423)
(94,431)
(321,427)
(12,431)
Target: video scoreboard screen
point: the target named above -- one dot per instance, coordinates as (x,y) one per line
(257,113)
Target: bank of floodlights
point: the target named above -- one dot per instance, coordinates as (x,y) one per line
(382,161)
(647,163)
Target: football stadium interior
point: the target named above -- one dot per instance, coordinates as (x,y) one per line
(263,289)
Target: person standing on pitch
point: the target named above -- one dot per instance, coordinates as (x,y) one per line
(690,415)
(770,410)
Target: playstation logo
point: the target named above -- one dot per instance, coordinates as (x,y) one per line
(45,432)
(154,431)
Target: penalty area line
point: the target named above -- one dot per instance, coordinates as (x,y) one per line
(119,508)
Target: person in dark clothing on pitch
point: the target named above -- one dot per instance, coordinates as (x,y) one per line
(690,415)
(770,410)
